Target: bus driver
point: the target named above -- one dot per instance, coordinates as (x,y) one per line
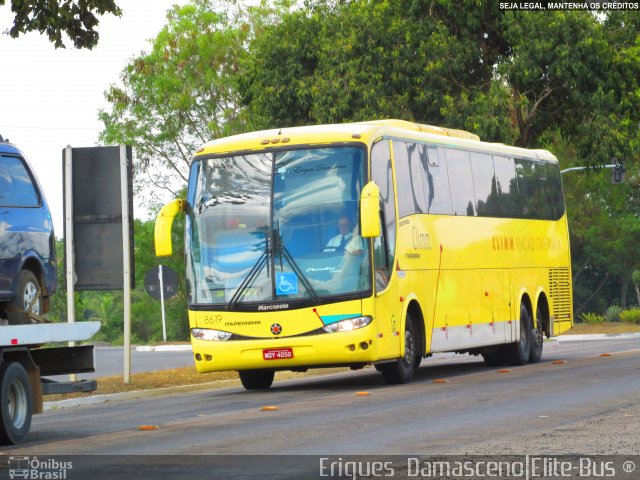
(345,241)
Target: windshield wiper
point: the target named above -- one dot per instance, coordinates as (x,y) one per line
(278,246)
(253,273)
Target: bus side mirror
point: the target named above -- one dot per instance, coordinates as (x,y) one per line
(164,221)
(370,211)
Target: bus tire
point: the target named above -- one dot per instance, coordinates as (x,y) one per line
(256,379)
(403,369)
(537,338)
(28,289)
(517,353)
(16,403)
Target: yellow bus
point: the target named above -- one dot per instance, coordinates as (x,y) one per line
(378,243)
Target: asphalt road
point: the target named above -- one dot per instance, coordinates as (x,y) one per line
(581,406)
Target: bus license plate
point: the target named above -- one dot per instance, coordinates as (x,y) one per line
(277,353)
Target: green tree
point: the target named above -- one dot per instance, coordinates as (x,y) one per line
(534,79)
(77,19)
(635,277)
(183,92)
(564,80)
(146,311)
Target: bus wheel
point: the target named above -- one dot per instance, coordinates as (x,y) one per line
(537,339)
(16,403)
(257,379)
(28,299)
(402,369)
(517,353)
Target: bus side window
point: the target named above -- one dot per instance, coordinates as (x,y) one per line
(439,195)
(411,178)
(555,187)
(506,187)
(484,183)
(385,245)
(462,191)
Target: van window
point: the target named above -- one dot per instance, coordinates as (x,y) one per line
(16,187)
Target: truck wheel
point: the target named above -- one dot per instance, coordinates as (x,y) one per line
(256,379)
(29,294)
(402,370)
(16,403)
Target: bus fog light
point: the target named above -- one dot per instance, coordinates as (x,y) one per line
(348,324)
(212,335)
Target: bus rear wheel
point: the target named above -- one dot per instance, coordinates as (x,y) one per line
(403,369)
(256,379)
(517,353)
(537,338)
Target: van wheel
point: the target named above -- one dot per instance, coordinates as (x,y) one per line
(28,299)
(403,369)
(537,339)
(517,353)
(16,403)
(257,379)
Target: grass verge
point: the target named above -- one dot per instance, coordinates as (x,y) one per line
(617,327)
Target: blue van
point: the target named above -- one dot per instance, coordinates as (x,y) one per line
(27,243)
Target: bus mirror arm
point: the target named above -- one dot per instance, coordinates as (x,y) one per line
(164,222)
(370,211)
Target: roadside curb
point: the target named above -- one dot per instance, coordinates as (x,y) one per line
(136,394)
(597,336)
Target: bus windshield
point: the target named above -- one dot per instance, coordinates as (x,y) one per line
(277,227)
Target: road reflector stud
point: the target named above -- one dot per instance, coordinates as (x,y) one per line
(362,394)
(504,370)
(441,380)
(269,408)
(147,428)
(559,362)
(606,355)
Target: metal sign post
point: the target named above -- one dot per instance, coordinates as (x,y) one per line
(126,261)
(162,284)
(68,240)
(164,319)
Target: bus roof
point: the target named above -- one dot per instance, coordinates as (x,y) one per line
(365,132)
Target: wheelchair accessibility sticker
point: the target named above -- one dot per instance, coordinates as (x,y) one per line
(286,283)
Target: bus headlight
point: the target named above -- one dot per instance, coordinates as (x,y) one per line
(348,324)
(213,335)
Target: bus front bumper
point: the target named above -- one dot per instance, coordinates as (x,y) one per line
(342,348)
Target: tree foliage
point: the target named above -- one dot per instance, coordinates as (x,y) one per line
(77,19)
(563,80)
(182,93)
(537,80)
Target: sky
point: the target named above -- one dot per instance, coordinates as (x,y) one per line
(50,98)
